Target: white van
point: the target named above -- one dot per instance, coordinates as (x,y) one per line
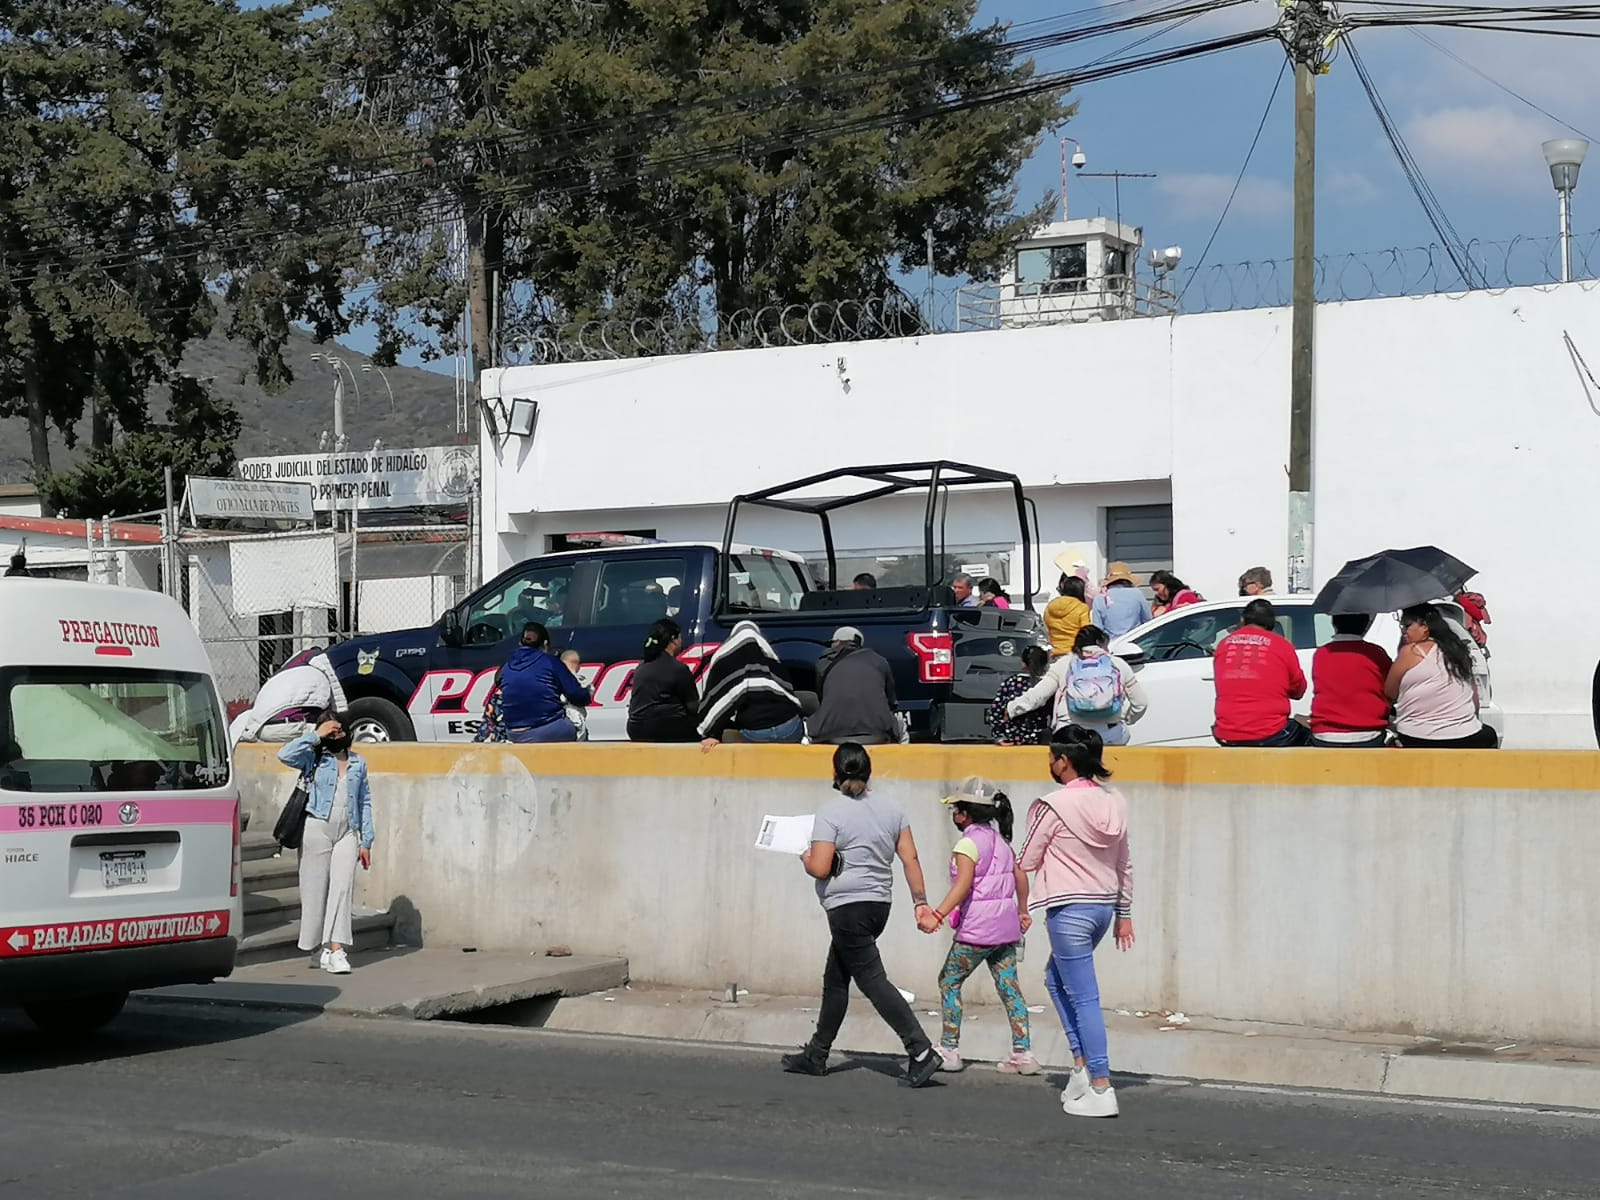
(119,816)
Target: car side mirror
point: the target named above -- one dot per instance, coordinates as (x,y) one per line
(1133,655)
(450,629)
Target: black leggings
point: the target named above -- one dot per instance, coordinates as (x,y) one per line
(854,956)
(678,727)
(1484,739)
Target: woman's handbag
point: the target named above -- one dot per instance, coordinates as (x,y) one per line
(291,825)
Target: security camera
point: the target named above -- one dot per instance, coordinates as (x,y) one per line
(1080,160)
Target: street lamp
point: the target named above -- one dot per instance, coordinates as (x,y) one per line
(1565,156)
(368,368)
(339,367)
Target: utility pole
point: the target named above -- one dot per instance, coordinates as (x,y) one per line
(1308,30)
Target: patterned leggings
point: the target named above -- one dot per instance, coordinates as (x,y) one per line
(961,962)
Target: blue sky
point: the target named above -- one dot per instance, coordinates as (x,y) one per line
(1191,123)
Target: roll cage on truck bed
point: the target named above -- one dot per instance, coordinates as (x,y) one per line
(938,477)
(957,656)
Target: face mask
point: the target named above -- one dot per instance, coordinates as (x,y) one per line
(336,745)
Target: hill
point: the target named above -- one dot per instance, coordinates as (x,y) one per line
(289,422)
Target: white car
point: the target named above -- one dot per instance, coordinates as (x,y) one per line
(1172,655)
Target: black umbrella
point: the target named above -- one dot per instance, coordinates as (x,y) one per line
(1393,580)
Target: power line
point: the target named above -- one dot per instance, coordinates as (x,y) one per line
(630,127)
(1431,207)
(535,183)
(1223,216)
(1484,75)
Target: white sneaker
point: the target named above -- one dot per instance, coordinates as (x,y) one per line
(1093,1103)
(950,1060)
(1077,1085)
(338,963)
(322,959)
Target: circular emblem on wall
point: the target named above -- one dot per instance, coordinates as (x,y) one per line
(456,473)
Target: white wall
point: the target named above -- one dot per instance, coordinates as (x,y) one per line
(1455,420)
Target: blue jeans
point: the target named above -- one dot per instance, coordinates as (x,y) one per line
(1075,930)
(559,730)
(1292,734)
(791,730)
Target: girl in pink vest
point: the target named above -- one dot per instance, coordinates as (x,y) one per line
(988,908)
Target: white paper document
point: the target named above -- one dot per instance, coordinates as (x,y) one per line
(785,835)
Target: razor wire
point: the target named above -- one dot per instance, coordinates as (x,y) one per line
(1427,270)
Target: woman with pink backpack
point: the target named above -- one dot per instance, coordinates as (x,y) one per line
(1090,688)
(987,906)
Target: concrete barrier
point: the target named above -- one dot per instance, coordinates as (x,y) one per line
(1443,893)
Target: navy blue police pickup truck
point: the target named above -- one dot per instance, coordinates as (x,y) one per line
(430,684)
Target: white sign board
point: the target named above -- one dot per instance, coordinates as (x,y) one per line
(427,477)
(255,500)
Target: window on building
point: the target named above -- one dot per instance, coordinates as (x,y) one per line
(1141,536)
(1116,262)
(1050,270)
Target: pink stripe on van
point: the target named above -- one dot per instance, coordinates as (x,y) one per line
(115,811)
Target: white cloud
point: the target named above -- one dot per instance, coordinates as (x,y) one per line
(1347,186)
(1488,146)
(1199,196)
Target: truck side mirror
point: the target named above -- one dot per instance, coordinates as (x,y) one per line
(450,629)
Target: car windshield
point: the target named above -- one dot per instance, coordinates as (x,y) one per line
(69,730)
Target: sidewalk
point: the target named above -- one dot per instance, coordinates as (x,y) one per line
(1163,1045)
(423,984)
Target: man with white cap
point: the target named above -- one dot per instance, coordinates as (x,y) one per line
(858,698)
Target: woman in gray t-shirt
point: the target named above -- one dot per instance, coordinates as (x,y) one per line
(854,843)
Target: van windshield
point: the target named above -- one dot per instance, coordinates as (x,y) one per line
(64,729)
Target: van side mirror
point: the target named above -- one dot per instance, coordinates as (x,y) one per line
(450,629)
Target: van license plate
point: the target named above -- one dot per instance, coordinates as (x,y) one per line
(120,868)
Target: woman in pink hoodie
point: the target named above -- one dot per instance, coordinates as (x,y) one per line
(1077,850)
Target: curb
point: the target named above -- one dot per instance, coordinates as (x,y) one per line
(1269,1056)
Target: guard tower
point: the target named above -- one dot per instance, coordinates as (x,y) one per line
(1077,270)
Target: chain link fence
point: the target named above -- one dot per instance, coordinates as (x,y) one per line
(259,599)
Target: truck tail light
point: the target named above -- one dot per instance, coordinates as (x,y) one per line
(237,878)
(936,656)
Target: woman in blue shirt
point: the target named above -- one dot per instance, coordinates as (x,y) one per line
(534,686)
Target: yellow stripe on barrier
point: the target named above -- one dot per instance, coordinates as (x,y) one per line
(1471,770)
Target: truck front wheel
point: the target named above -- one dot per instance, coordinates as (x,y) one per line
(375,720)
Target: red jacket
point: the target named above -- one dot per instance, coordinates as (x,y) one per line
(1349,673)
(1258,677)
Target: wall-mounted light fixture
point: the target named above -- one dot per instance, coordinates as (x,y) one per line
(511,416)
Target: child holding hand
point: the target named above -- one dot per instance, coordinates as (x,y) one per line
(987,906)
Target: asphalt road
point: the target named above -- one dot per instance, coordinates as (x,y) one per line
(173,1104)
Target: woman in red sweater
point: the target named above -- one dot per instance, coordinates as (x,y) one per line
(1349,708)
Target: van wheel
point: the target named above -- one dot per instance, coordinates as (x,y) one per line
(72,1015)
(375,720)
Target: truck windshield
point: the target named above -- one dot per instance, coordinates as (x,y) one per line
(760,583)
(64,729)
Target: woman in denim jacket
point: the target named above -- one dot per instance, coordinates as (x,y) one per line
(338,833)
